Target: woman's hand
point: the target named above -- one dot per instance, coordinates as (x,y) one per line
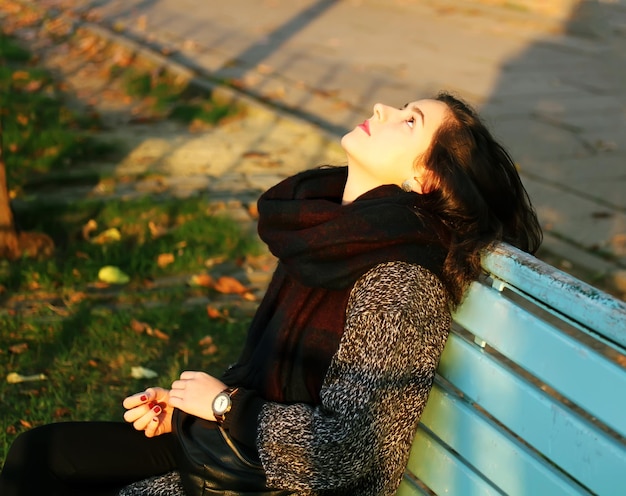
(194,392)
(150,411)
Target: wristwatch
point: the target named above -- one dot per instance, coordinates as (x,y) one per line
(222,403)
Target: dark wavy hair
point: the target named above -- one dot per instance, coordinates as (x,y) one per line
(477,193)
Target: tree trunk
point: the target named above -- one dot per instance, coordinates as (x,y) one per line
(14,245)
(9,243)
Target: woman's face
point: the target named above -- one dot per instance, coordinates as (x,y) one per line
(384,148)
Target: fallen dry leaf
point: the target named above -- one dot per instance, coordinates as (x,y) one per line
(15,378)
(20,76)
(189,45)
(112,235)
(198,125)
(277,93)
(248,296)
(92,15)
(141,327)
(142,373)
(618,243)
(165,259)
(112,275)
(208,346)
(100,285)
(63,312)
(325,93)
(156,230)
(213,312)
(75,297)
(138,326)
(62,412)
(88,228)
(18,349)
(203,280)
(210,262)
(253,211)
(142,23)
(229,285)
(26,423)
(157,334)
(265,68)
(255,154)
(210,350)
(340,104)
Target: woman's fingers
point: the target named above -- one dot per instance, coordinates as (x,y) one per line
(142,422)
(139,398)
(151,428)
(135,414)
(179,384)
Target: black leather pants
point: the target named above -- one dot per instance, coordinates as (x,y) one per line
(84,458)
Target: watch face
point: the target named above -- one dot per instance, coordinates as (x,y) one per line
(221,403)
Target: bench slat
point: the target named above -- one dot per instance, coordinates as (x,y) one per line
(560,361)
(597,459)
(491,426)
(409,488)
(496,454)
(442,471)
(580,301)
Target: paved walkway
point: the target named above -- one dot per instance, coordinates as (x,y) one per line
(550,77)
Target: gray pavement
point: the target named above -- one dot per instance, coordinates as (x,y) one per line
(548,76)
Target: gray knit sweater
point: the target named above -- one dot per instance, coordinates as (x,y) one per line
(357,441)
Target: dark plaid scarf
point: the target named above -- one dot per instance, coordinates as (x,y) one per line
(323,248)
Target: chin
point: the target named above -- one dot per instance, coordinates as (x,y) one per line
(346,139)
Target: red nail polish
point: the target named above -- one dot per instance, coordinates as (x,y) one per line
(143,398)
(157,409)
(152,404)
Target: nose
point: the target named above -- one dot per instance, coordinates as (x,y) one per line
(379,111)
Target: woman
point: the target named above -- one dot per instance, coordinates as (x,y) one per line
(341,354)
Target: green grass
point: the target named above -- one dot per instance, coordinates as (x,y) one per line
(40,134)
(171,97)
(78,334)
(87,358)
(56,318)
(11,51)
(190,232)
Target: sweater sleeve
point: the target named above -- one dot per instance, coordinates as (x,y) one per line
(358,439)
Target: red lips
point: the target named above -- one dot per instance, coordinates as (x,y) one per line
(365,126)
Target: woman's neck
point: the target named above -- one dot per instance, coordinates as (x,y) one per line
(356,185)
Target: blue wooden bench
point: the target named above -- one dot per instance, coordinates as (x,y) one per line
(530,397)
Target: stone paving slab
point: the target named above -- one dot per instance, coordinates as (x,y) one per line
(550,77)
